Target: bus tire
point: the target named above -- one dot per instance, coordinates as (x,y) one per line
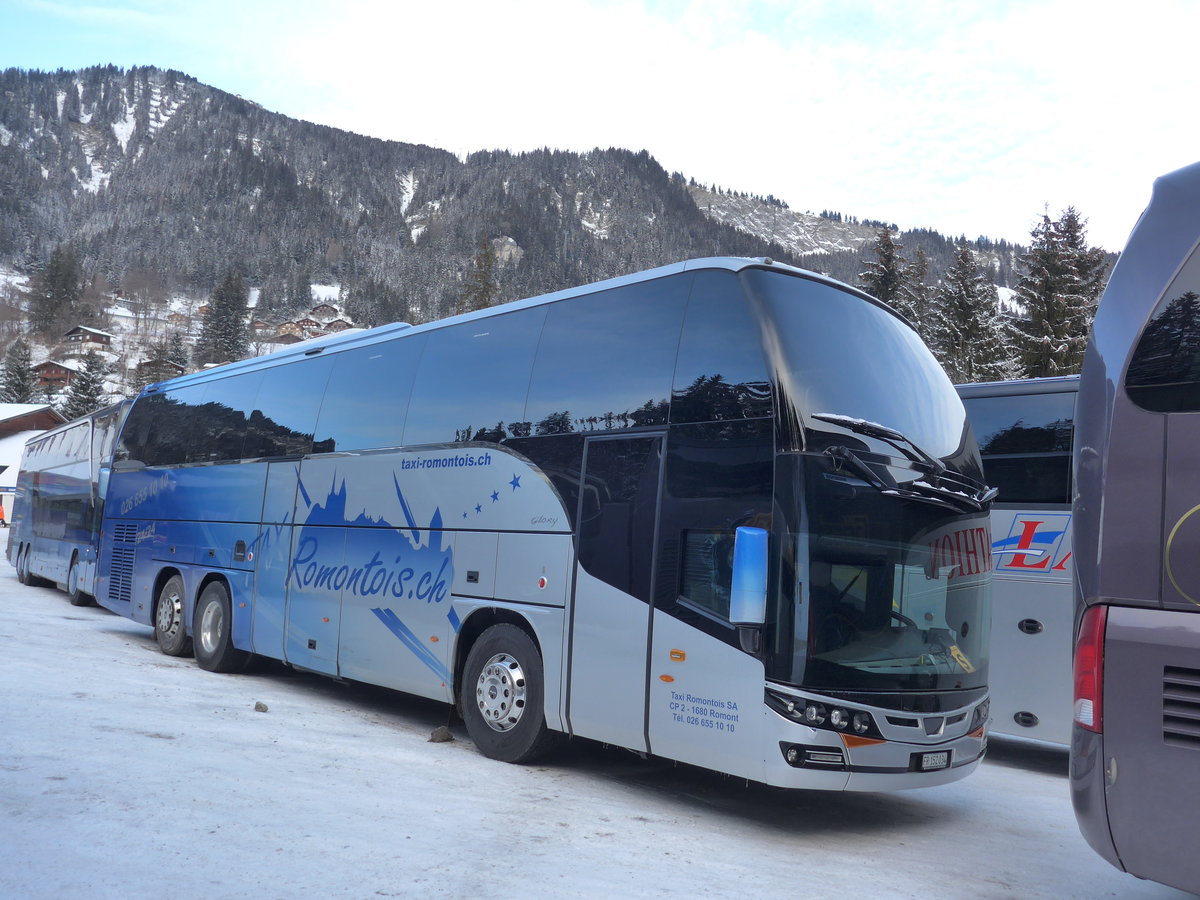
(212,631)
(501,696)
(169,628)
(22,559)
(76,595)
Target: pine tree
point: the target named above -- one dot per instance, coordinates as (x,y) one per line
(223,336)
(175,351)
(889,276)
(18,384)
(479,287)
(1059,289)
(975,344)
(55,292)
(87,392)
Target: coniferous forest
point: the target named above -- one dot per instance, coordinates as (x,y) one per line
(142,184)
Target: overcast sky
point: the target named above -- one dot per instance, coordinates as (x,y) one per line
(967,118)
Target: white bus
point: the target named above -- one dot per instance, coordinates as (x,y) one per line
(1024,430)
(725,512)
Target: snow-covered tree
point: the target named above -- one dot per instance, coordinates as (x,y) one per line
(975,345)
(87,391)
(18,385)
(1059,288)
(479,287)
(223,336)
(54,293)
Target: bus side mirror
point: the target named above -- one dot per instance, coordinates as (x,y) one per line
(748,597)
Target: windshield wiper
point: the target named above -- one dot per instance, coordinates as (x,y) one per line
(897,439)
(932,490)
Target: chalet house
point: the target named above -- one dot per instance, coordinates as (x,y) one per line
(307,324)
(337,325)
(283,340)
(177,318)
(203,310)
(54,374)
(292,328)
(324,312)
(82,339)
(159,369)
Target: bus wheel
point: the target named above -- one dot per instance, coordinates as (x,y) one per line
(212,632)
(22,559)
(75,594)
(168,619)
(501,696)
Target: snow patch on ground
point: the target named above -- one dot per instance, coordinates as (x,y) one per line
(123,129)
(334,790)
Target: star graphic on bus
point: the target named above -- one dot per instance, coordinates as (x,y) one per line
(516,482)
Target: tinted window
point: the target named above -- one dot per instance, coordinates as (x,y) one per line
(718,477)
(159,431)
(1026,445)
(285,413)
(219,423)
(367,398)
(473,378)
(721,372)
(606,360)
(1164,374)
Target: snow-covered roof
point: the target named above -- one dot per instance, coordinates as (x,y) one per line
(12,410)
(90,331)
(11,448)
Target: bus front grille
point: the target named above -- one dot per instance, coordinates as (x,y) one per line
(1181,707)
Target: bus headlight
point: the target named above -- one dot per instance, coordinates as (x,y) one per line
(814,714)
(980,717)
(862,723)
(839,718)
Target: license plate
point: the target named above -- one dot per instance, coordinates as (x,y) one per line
(931,762)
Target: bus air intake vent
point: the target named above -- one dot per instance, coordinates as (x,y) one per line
(125,532)
(1181,707)
(120,576)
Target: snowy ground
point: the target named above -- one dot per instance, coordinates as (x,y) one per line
(125,773)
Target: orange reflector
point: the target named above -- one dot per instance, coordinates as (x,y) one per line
(667,678)
(978,732)
(434,638)
(678,655)
(853,740)
(325,619)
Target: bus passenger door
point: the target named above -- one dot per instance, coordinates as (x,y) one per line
(610,612)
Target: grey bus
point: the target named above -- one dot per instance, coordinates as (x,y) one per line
(1135,749)
(725,512)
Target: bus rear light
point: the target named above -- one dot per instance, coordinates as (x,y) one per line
(1089,669)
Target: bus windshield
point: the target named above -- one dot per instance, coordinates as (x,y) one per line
(885,560)
(818,337)
(885,594)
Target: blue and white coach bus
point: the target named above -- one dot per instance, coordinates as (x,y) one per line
(1025,430)
(725,512)
(59,503)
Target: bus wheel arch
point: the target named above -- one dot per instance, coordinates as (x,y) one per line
(212,628)
(170,614)
(501,693)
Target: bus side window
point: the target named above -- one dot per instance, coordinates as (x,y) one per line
(473,378)
(285,413)
(369,391)
(718,476)
(1164,373)
(1025,442)
(605,360)
(219,427)
(721,370)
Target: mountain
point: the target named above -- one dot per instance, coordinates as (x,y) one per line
(150,170)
